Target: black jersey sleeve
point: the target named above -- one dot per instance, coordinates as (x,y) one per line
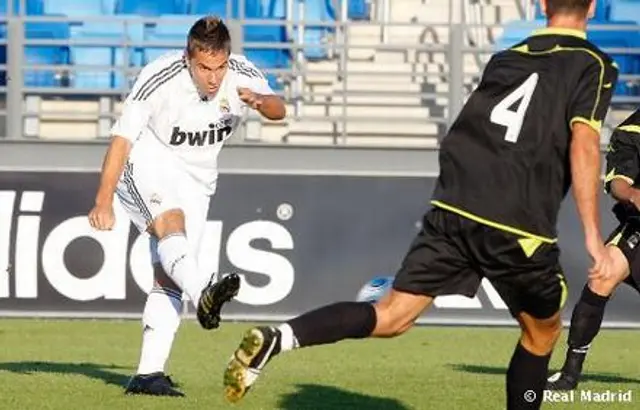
(592,96)
(623,152)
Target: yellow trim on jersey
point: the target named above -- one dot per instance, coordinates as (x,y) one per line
(596,125)
(565,291)
(492,224)
(630,128)
(529,245)
(592,121)
(616,239)
(561,31)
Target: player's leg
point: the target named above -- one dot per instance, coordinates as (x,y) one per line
(161,315)
(432,266)
(526,273)
(329,324)
(587,315)
(160,319)
(180,263)
(162,195)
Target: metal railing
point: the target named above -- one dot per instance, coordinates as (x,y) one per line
(435,72)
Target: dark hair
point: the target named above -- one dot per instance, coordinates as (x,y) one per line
(209,34)
(579,7)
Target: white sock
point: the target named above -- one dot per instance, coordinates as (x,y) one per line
(181,266)
(161,319)
(288,340)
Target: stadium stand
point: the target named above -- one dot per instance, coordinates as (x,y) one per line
(393,82)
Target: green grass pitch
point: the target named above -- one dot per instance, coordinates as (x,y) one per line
(83,364)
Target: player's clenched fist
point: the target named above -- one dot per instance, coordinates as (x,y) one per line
(250,98)
(102,217)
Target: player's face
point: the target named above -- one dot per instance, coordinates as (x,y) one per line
(208,70)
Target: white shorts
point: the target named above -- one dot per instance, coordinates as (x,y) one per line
(147,189)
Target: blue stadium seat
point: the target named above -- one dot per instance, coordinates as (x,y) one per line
(108,55)
(173,32)
(252,8)
(516,31)
(269,59)
(33,7)
(45,55)
(315,11)
(76,8)
(356,10)
(624,10)
(150,7)
(627,63)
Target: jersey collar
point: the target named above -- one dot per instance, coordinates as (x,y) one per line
(561,32)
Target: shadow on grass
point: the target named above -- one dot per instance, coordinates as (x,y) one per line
(102,372)
(312,396)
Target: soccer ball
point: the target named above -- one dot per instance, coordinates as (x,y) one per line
(375,289)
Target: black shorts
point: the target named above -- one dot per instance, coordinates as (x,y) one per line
(626,237)
(452,254)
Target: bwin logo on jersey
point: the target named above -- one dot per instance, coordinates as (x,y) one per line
(214,134)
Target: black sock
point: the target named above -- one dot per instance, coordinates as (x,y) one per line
(332,323)
(585,325)
(526,378)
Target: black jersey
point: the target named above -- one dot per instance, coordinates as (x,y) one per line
(623,162)
(505,160)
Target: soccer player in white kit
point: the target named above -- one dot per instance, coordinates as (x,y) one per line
(162,165)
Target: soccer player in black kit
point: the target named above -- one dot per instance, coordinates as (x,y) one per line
(530,130)
(622,182)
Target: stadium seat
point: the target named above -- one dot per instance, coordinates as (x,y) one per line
(356,9)
(76,8)
(516,31)
(170,32)
(269,59)
(315,11)
(45,55)
(107,55)
(150,7)
(252,8)
(33,7)
(627,63)
(624,10)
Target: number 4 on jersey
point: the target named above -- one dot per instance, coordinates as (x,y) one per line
(502,115)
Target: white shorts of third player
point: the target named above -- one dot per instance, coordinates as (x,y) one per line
(147,189)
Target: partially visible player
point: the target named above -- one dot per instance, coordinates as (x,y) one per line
(530,128)
(622,181)
(162,165)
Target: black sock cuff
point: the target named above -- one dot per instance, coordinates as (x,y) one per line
(526,356)
(593,299)
(372,320)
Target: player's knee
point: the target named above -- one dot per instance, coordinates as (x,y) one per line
(539,336)
(168,222)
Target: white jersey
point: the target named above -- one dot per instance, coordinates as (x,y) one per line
(167,121)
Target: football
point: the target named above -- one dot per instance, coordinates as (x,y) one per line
(375,289)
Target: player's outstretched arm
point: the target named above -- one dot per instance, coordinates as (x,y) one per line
(269,106)
(101,216)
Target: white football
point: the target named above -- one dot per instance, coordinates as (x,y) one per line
(375,289)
